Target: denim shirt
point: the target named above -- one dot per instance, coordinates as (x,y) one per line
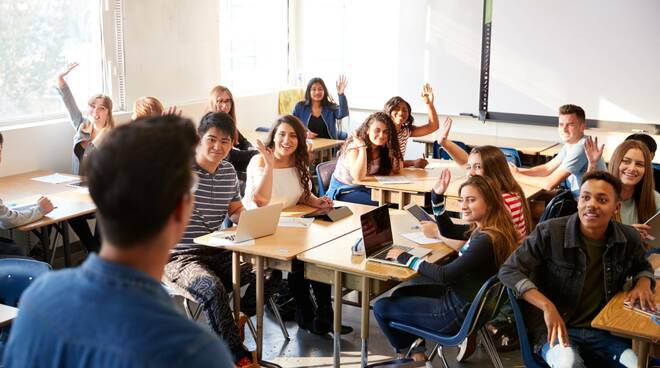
(330,116)
(103,314)
(551,261)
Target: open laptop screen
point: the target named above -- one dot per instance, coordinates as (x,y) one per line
(376,230)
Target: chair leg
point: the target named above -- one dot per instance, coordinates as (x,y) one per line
(441,354)
(433,352)
(490,347)
(253,330)
(186,307)
(278,317)
(414,345)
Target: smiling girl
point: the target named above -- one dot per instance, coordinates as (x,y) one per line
(319,112)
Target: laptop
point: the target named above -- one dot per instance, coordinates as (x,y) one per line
(255,223)
(653,239)
(377,237)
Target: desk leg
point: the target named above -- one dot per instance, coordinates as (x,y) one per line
(641,349)
(337,318)
(236,283)
(364,324)
(64,227)
(429,149)
(381,197)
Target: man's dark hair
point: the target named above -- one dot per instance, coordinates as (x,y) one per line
(572,109)
(644,138)
(2,140)
(139,175)
(604,176)
(219,120)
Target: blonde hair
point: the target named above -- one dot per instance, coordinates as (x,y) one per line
(146,107)
(106,102)
(213,96)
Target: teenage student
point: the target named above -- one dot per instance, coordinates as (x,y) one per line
(205,273)
(13,218)
(222,100)
(399,110)
(370,150)
(570,163)
(280,173)
(570,267)
(442,306)
(319,112)
(631,163)
(488,161)
(113,310)
(90,133)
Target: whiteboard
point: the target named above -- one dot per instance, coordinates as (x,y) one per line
(391,47)
(601,55)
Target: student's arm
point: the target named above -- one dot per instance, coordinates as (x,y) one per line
(553,321)
(542,170)
(260,175)
(10,218)
(641,272)
(455,152)
(546,182)
(428,97)
(67,97)
(342,112)
(235,210)
(316,202)
(593,152)
(445,225)
(357,158)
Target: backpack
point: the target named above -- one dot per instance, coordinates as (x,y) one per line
(560,205)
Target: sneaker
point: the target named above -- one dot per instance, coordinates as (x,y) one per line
(466,348)
(249,360)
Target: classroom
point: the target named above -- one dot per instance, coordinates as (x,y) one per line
(329,183)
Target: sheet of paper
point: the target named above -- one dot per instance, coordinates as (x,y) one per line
(22,207)
(218,239)
(393,179)
(295,222)
(56,178)
(419,238)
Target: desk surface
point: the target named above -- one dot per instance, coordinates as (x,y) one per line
(7,314)
(287,242)
(337,254)
(526,146)
(618,320)
(70,202)
(318,144)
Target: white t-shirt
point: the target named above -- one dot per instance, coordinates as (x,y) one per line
(629,210)
(286,185)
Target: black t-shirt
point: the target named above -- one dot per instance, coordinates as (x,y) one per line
(317,125)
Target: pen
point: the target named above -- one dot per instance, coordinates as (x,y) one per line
(415,227)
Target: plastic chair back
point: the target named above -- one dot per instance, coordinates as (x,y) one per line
(512,155)
(324,172)
(563,204)
(438,152)
(530,359)
(16,274)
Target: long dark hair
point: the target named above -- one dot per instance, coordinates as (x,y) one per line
(392,104)
(300,155)
(644,190)
(390,154)
(327,100)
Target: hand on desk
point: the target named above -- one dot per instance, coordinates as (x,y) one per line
(324,202)
(311,135)
(45,204)
(643,230)
(430,229)
(642,291)
(421,163)
(394,253)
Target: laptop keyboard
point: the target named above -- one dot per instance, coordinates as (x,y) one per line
(230,237)
(383,254)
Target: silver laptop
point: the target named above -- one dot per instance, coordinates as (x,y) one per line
(256,223)
(654,234)
(377,237)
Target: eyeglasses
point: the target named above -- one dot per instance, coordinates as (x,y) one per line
(224,102)
(195,183)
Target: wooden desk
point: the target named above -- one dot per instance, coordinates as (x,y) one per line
(322,147)
(333,263)
(7,314)
(69,202)
(418,190)
(627,323)
(279,250)
(526,146)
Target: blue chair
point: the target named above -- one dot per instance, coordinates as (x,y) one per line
(263,129)
(512,155)
(16,274)
(438,152)
(342,135)
(655,166)
(530,359)
(484,307)
(324,172)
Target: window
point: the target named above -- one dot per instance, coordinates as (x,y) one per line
(253,45)
(38,39)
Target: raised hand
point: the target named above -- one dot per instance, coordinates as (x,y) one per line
(172,110)
(266,153)
(441,185)
(427,94)
(444,130)
(341,84)
(593,151)
(60,76)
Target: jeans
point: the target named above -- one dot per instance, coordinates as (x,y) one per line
(300,289)
(434,307)
(349,193)
(590,348)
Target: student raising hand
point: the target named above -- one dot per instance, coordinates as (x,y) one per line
(593,151)
(60,76)
(341,84)
(266,153)
(441,185)
(427,94)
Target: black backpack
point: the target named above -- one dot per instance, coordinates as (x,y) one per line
(560,205)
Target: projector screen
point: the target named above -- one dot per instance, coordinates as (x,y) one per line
(601,55)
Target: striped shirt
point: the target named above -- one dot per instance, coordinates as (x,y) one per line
(212,197)
(513,204)
(402,135)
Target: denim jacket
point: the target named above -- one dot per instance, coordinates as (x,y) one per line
(103,314)
(78,122)
(551,261)
(330,116)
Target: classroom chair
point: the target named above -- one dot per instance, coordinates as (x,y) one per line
(563,204)
(324,172)
(16,274)
(438,152)
(263,129)
(511,155)
(484,307)
(530,359)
